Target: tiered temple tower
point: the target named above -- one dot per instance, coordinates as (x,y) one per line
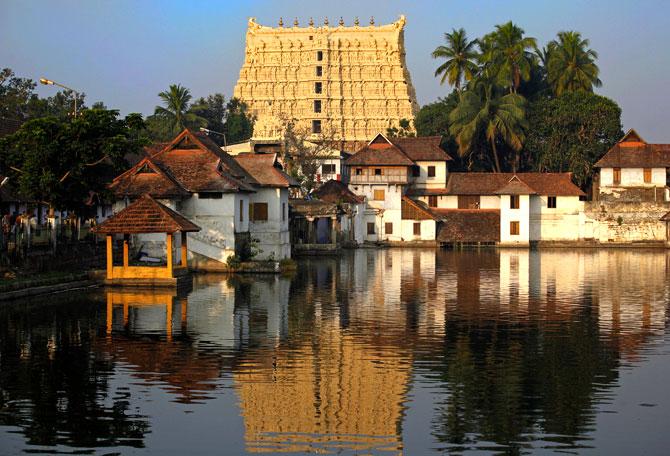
(346,83)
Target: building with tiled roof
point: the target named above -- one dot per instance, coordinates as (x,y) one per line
(634,170)
(233,200)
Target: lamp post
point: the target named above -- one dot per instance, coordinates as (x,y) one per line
(210,132)
(46,81)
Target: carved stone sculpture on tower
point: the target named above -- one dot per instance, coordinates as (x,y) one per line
(327,79)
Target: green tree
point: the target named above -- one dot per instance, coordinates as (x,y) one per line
(571,132)
(239,123)
(403,130)
(571,64)
(175,114)
(59,162)
(433,118)
(509,53)
(483,111)
(214,110)
(460,58)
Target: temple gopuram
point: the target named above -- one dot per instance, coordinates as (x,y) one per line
(344,83)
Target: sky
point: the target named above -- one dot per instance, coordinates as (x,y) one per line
(125,52)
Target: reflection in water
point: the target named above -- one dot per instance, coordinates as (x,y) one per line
(502,350)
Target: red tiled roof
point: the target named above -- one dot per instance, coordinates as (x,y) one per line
(414,191)
(553,184)
(415,210)
(312,208)
(335,191)
(146,215)
(262,167)
(633,152)
(379,151)
(468,225)
(422,148)
(146,177)
(515,187)
(191,162)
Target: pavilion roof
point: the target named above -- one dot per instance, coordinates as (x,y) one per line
(146,215)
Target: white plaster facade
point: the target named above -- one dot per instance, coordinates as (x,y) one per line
(273,233)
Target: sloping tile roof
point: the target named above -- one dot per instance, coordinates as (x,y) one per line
(146,177)
(387,156)
(335,191)
(414,191)
(189,163)
(262,167)
(146,215)
(9,126)
(422,148)
(468,225)
(415,210)
(634,152)
(312,208)
(515,187)
(552,184)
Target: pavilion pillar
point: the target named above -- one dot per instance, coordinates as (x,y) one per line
(333,230)
(184,250)
(184,312)
(310,230)
(168,319)
(169,254)
(110,312)
(110,256)
(126,242)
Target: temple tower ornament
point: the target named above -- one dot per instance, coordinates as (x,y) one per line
(281,21)
(372,20)
(350,81)
(295,22)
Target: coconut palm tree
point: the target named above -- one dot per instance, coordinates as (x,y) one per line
(177,112)
(510,54)
(484,110)
(460,58)
(571,64)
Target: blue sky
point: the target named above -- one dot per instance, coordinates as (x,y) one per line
(125,52)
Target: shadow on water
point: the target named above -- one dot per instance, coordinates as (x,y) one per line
(500,351)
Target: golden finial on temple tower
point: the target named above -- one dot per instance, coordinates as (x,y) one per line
(341,21)
(325,21)
(281,21)
(372,20)
(356,23)
(295,22)
(311,22)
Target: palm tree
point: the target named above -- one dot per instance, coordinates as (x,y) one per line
(509,52)
(483,111)
(571,65)
(177,113)
(460,58)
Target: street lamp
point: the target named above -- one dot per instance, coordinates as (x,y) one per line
(46,81)
(210,132)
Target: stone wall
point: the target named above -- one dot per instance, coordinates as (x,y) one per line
(624,222)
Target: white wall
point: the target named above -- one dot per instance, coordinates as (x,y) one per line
(555,224)
(521,215)
(273,234)
(632,177)
(330,161)
(423,181)
(427,230)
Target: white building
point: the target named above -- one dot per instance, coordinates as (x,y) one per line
(193,176)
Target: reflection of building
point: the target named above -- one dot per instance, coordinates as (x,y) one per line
(328,396)
(346,82)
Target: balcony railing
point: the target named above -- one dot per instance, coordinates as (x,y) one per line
(377,179)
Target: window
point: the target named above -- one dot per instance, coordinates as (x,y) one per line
(319,70)
(316,127)
(379,195)
(388,227)
(328,168)
(647,175)
(319,55)
(378,172)
(210,195)
(359,171)
(241,210)
(514,228)
(258,212)
(432,201)
(416,171)
(616,177)
(371,228)
(417,229)
(317,105)
(514,201)
(551,202)
(283,212)
(318,87)
(431,171)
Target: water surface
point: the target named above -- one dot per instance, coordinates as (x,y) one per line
(399,351)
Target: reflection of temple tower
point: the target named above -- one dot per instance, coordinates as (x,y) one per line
(348,83)
(335,394)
